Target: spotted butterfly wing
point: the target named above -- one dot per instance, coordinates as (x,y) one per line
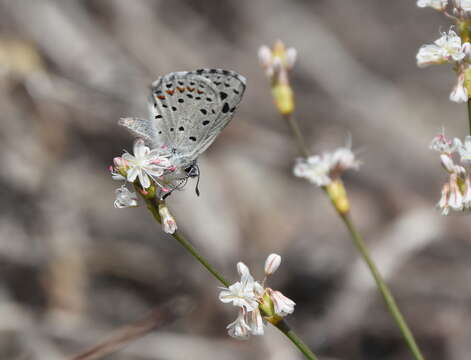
(191,108)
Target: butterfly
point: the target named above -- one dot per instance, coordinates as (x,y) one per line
(189,109)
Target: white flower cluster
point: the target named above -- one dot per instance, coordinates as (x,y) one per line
(450,47)
(149,167)
(323,169)
(249,296)
(456,193)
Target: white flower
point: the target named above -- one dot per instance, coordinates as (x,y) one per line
(283,305)
(125,198)
(442,144)
(465,150)
(239,328)
(241,293)
(455,199)
(272,263)
(322,170)
(459,94)
(256,323)
(447,48)
(253,300)
(443,202)
(278,60)
(169,225)
(145,164)
(449,165)
(436,4)
(467,193)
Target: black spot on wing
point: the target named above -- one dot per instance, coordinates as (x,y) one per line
(223,95)
(225,108)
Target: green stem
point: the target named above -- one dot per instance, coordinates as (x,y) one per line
(383,288)
(285,329)
(281,325)
(469,115)
(293,125)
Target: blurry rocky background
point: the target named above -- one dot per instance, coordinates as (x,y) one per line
(73,268)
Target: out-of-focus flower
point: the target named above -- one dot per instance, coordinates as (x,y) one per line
(324,169)
(459,94)
(145,164)
(277,62)
(255,302)
(447,48)
(456,192)
(436,4)
(125,198)
(169,225)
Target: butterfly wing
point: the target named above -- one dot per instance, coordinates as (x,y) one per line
(191,108)
(230,87)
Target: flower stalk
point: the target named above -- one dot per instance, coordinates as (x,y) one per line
(382,287)
(153,205)
(326,170)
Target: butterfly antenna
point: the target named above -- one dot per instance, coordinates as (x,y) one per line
(197,190)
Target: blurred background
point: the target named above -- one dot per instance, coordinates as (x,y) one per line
(73,268)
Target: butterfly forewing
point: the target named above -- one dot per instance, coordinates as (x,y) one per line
(185,107)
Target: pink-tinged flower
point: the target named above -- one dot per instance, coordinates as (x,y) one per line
(277,61)
(145,164)
(459,94)
(254,301)
(169,225)
(443,144)
(283,305)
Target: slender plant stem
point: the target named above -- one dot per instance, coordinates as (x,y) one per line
(281,325)
(383,288)
(293,125)
(285,329)
(469,115)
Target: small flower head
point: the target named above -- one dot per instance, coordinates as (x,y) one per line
(443,144)
(459,94)
(255,302)
(435,4)
(322,170)
(447,48)
(145,164)
(125,198)
(465,150)
(278,59)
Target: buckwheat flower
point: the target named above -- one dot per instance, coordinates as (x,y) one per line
(459,94)
(125,198)
(145,164)
(465,150)
(455,199)
(443,202)
(239,328)
(283,305)
(277,59)
(272,263)
(436,4)
(169,225)
(443,144)
(447,48)
(322,170)
(256,304)
(241,293)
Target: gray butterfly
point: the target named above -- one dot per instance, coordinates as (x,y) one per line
(189,109)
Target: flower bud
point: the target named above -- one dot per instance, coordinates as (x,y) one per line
(169,225)
(272,263)
(283,305)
